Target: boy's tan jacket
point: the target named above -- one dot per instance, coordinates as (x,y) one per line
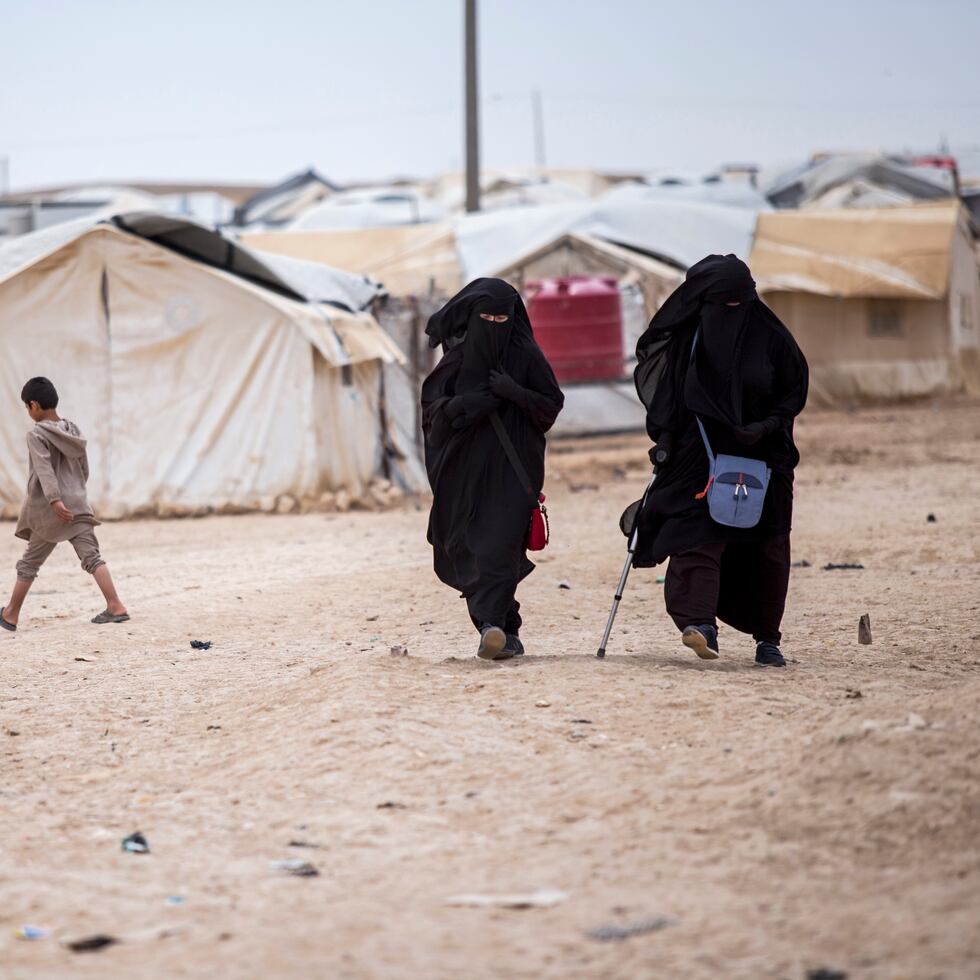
(58,470)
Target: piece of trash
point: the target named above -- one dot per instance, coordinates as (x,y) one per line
(214,728)
(542,704)
(607,934)
(88,944)
(931,519)
(136,844)
(303,843)
(581,721)
(825,973)
(564,585)
(391,805)
(294,866)
(800,564)
(840,566)
(853,693)
(32,932)
(398,650)
(174,900)
(542,899)
(864,629)
(370,619)
(660,579)
(916,721)
(201,644)
(85,660)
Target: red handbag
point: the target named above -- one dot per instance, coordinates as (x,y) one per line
(539,531)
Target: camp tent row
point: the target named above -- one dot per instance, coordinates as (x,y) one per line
(884,301)
(451,253)
(204,375)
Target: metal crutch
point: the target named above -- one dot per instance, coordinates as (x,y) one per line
(660,456)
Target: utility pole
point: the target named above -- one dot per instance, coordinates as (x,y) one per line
(4,176)
(472,109)
(537,116)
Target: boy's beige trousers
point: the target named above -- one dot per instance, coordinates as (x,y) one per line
(86,546)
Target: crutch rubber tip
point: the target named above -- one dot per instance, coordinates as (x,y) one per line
(601,653)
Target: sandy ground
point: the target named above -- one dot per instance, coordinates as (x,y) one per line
(826,815)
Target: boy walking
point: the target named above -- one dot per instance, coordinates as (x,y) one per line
(56,506)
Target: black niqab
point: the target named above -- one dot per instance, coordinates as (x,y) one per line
(452,321)
(480,511)
(714,349)
(483,351)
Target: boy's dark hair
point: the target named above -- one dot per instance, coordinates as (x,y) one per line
(40,390)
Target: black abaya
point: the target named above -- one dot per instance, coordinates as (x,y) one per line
(746,379)
(480,511)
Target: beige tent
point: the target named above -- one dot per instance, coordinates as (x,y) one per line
(884,302)
(406,258)
(196,388)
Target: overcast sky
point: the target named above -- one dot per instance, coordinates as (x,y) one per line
(248,90)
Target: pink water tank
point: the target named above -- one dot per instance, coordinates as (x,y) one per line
(578,323)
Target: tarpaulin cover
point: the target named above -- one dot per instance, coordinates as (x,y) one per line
(404,258)
(900,252)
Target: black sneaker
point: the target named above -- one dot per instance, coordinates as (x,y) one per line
(703,640)
(768,655)
(513,647)
(492,642)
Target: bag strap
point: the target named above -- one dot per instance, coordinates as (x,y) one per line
(704,435)
(511,453)
(704,439)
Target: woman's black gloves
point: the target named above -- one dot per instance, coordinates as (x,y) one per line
(466,410)
(749,435)
(504,386)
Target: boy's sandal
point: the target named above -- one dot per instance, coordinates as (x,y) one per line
(7,626)
(106,617)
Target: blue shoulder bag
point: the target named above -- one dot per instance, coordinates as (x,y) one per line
(737,485)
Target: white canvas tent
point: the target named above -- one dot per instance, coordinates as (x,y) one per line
(197,388)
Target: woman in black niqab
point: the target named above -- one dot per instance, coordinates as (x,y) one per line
(480,510)
(715,351)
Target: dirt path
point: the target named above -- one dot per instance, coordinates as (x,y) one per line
(824,815)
